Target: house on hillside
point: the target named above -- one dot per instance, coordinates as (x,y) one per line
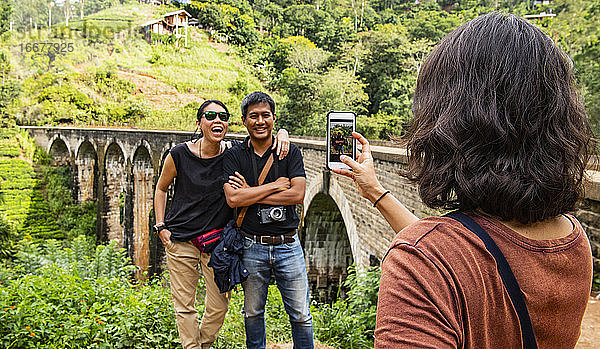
(172,23)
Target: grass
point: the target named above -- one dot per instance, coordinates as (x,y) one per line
(124,14)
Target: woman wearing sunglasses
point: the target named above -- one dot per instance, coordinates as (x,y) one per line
(198,208)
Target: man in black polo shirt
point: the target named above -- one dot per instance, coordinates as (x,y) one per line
(271,242)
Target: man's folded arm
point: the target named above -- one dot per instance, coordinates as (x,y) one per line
(250,195)
(292,196)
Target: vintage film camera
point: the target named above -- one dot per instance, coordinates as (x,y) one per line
(271,214)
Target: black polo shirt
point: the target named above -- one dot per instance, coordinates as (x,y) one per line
(239,159)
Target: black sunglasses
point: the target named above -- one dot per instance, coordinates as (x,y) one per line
(211,115)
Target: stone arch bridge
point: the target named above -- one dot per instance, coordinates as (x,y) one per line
(119,168)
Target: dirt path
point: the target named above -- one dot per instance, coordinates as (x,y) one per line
(590,328)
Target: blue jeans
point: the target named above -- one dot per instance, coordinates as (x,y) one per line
(286,263)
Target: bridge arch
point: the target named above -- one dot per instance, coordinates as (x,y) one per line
(59,149)
(115,142)
(115,179)
(337,194)
(327,235)
(142,144)
(86,169)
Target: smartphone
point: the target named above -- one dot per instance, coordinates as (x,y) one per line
(340,125)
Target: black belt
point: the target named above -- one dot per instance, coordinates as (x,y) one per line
(272,239)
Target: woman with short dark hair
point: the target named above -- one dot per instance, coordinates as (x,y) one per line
(499,133)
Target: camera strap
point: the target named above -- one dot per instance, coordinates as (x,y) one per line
(255,165)
(508,278)
(261,179)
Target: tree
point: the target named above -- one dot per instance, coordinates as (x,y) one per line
(67,10)
(391,67)
(299,102)
(576,30)
(271,15)
(237,26)
(5,12)
(431,22)
(303,55)
(305,20)
(308,97)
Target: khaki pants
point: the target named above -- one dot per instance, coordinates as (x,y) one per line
(183,259)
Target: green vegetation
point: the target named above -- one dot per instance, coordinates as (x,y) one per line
(36,197)
(5,12)
(323,55)
(80,296)
(59,289)
(100,71)
(93,67)
(313,56)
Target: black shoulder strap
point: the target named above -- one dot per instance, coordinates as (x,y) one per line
(508,278)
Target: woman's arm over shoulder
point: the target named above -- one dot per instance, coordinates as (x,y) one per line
(417,307)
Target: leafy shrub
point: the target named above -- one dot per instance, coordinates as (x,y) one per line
(350,323)
(239,88)
(80,258)
(6,236)
(166,39)
(62,304)
(106,82)
(81,296)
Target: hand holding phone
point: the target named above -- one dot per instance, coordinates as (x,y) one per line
(340,125)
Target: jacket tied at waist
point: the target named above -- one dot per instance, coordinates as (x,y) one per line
(226,259)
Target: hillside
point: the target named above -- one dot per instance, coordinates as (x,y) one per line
(315,56)
(113,77)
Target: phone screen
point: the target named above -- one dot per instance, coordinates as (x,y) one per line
(339,138)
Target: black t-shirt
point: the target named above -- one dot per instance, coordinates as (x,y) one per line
(238,159)
(198,204)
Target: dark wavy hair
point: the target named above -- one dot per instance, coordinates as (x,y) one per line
(256,97)
(499,125)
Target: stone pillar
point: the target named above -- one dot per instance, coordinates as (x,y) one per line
(143,180)
(114,194)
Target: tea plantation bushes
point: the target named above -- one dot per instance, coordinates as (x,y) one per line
(22,202)
(36,198)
